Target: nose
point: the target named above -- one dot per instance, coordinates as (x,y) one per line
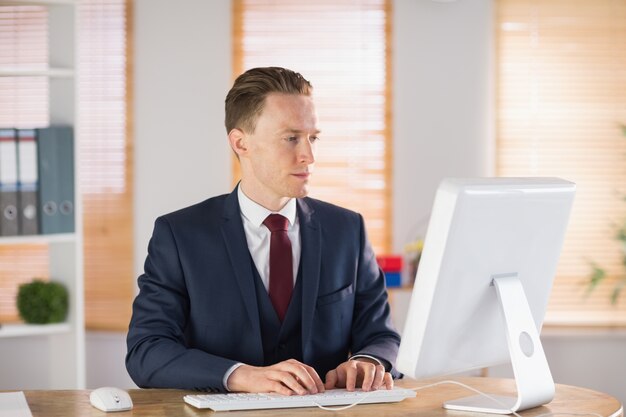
(306,152)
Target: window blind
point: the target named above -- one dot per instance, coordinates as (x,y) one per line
(106,162)
(23,46)
(560,102)
(342,48)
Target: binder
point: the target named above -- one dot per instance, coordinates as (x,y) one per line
(8,183)
(28,182)
(390,263)
(55,151)
(392,267)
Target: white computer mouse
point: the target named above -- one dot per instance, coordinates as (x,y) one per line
(110,399)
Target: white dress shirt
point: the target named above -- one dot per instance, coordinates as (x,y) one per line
(258,235)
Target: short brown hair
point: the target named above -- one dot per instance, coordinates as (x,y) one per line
(246,98)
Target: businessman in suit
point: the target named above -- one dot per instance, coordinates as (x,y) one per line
(263,289)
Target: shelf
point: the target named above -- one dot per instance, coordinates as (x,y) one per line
(21,330)
(400,289)
(25,72)
(36,2)
(578,331)
(35,239)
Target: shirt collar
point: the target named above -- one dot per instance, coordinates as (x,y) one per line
(256,213)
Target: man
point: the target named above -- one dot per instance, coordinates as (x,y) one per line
(263,289)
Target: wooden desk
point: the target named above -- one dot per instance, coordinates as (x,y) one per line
(159,403)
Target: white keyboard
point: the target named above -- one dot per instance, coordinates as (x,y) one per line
(336,397)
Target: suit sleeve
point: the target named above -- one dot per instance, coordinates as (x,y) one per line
(372,331)
(158,356)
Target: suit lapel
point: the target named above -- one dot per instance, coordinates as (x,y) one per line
(235,240)
(311,257)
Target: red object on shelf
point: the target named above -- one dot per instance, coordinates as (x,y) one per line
(390,263)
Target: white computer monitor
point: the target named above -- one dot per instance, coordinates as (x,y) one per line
(483,283)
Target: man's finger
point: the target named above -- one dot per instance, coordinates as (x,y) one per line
(316,378)
(388,381)
(302,374)
(288,380)
(368,371)
(378,378)
(351,375)
(331,379)
(279,388)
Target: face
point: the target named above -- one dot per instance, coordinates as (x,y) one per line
(277,159)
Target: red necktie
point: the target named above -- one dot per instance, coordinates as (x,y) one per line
(281,264)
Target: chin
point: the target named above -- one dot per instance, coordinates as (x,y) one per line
(302,192)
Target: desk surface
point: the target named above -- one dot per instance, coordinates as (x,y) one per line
(157,403)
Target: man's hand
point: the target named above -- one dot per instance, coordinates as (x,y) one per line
(287,378)
(359,372)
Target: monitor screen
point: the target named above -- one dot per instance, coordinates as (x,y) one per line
(482,229)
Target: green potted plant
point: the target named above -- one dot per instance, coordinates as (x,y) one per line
(41,302)
(599,274)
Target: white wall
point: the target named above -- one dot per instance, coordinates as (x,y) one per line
(442,81)
(105,360)
(182,74)
(442,127)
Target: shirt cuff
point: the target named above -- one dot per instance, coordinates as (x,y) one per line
(382,362)
(228,373)
(366,356)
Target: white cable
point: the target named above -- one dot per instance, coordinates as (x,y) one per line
(495,400)
(344,407)
(489,397)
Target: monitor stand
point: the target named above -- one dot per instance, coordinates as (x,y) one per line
(534,382)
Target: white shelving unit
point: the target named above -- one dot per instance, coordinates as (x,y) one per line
(35,239)
(52,356)
(21,330)
(50,72)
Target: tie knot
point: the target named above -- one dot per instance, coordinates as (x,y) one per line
(276,223)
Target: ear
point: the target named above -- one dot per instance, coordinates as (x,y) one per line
(238,141)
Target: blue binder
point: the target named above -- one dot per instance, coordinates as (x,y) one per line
(8,183)
(55,149)
(28,182)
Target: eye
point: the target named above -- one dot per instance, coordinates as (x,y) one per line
(292,139)
(314,138)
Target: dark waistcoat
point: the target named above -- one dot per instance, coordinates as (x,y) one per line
(281,341)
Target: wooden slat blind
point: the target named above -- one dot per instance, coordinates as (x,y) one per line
(24,46)
(561,99)
(105,163)
(342,47)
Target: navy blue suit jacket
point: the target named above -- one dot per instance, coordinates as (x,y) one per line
(196,313)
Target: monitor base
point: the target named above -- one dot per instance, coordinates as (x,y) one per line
(481,404)
(533,379)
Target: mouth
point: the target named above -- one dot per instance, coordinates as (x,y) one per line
(302,175)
